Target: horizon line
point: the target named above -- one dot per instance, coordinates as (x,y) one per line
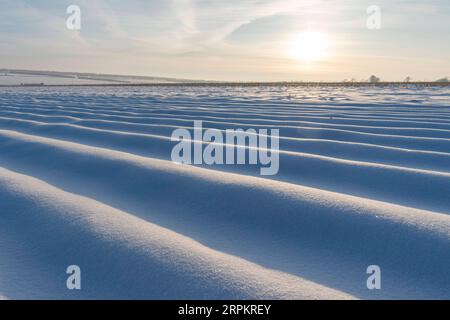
(177,80)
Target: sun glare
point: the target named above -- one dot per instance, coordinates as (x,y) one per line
(309,46)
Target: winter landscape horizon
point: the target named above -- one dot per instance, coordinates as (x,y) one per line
(224,150)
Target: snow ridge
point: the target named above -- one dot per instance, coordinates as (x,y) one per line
(86,179)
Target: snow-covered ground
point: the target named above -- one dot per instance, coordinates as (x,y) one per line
(34,78)
(86,179)
(10,79)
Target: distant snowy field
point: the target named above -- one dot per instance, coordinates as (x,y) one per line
(86,179)
(18,79)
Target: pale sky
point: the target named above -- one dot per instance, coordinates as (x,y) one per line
(237,40)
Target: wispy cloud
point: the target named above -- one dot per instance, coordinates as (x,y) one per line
(232,39)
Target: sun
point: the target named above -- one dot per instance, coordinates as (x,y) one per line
(309,46)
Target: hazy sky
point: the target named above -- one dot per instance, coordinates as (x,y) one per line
(230,39)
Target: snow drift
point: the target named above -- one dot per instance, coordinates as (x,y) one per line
(86,179)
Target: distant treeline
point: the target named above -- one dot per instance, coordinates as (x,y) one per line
(253,84)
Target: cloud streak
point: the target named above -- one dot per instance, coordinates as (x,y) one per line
(232,40)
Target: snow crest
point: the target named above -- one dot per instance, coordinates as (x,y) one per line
(86,179)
